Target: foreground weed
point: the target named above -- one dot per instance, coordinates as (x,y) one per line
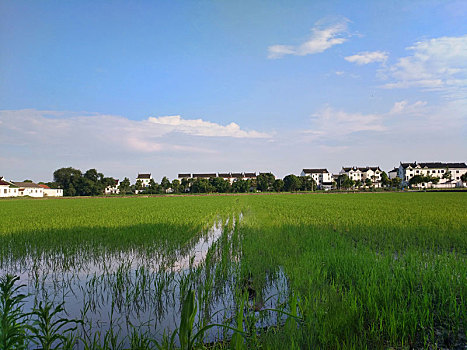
(49,330)
(12,318)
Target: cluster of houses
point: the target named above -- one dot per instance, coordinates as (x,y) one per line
(31,189)
(326,180)
(448,175)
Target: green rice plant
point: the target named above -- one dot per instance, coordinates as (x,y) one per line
(12,319)
(48,329)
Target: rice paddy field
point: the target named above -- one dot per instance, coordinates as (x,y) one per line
(288,271)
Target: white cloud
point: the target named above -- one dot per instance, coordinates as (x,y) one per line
(320,40)
(367,57)
(417,108)
(75,133)
(438,64)
(330,122)
(200,127)
(45,141)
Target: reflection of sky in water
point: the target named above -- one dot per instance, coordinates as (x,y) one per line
(128,289)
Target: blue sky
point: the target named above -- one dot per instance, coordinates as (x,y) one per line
(188,86)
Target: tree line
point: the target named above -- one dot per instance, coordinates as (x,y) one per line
(93,183)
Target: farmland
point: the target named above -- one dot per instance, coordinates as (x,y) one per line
(275,271)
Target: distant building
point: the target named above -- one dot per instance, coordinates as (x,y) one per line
(322,177)
(184,176)
(113,189)
(30,189)
(7,189)
(449,174)
(363,173)
(145,179)
(393,173)
(249,176)
(204,176)
(226,176)
(51,192)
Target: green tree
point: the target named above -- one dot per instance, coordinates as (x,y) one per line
(138,186)
(67,178)
(241,186)
(291,183)
(124,186)
(278,185)
(344,182)
(265,181)
(202,186)
(307,183)
(396,182)
(368,182)
(176,185)
(358,183)
(185,184)
(385,181)
(416,180)
(220,185)
(165,184)
(464,177)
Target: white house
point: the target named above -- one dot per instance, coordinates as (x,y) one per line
(145,179)
(372,173)
(51,192)
(30,189)
(322,177)
(449,174)
(393,173)
(363,173)
(113,189)
(353,173)
(7,189)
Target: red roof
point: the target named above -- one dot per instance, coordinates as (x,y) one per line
(4,183)
(43,186)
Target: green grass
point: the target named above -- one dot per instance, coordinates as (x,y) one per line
(375,270)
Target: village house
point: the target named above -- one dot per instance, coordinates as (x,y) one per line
(226,177)
(144,178)
(393,173)
(322,177)
(449,174)
(7,189)
(184,176)
(30,189)
(363,173)
(353,173)
(51,192)
(372,173)
(249,176)
(113,189)
(206,176)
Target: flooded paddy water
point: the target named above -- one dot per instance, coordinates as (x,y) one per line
(133,290)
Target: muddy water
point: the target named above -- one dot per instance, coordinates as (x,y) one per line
(130,291)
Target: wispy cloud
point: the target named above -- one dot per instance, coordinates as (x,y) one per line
(438,64)
(200,127)
(332,123)
(46,140)
(80,133)
(368,57)
(321,39)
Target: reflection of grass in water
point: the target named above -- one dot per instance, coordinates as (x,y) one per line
(366,270)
